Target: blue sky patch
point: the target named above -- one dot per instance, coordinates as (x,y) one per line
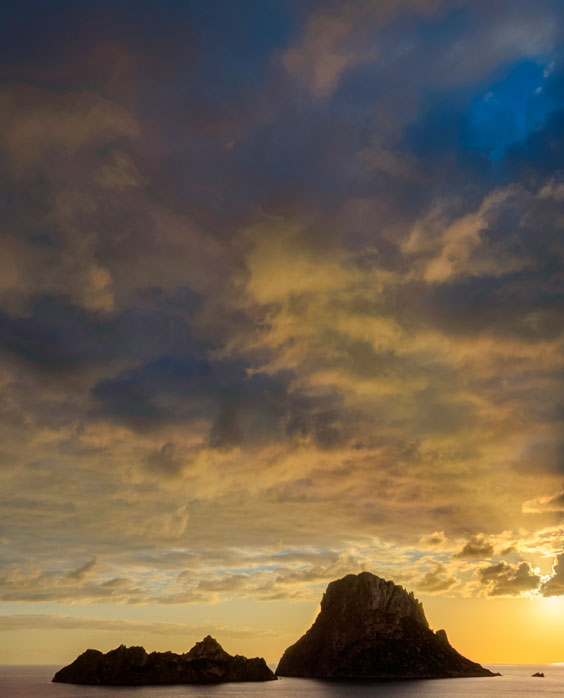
(508,111)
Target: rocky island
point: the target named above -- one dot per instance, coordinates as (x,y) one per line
(370,628)
(206,662)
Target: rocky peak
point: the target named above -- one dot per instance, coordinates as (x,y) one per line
(208,648)
(442,636)
(367,599)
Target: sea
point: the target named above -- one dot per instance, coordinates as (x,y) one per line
(516,681)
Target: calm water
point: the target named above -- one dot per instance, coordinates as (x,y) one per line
(35,682)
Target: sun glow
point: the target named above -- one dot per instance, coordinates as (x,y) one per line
(551,606)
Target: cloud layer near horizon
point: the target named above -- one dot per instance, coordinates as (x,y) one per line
(275,307)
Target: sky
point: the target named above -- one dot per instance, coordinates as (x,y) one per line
(281,299)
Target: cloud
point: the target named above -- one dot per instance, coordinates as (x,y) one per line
(476,547)
(436,581)
(44,621)
(463,247)
(119,172)
(31,583)
(263,331)
(164,460)
(208,577)
(540,505)
(437,539)
(339,36)
(554,586)
(79,187)
(84,572)
(505,579)
(38,125)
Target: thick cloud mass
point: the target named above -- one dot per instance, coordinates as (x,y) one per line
(281,298)
(505,579)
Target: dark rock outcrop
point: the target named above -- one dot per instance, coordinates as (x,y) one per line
(369,628)
(206,662)
(538,675)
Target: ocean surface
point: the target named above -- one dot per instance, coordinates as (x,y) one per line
(35,682)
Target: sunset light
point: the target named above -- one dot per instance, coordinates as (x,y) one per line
(282,302)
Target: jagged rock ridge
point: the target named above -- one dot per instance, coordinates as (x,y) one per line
(206,662)
(370,628)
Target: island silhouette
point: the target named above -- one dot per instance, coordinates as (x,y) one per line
(368,628)
(206,662)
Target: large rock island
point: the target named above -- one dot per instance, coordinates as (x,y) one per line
(206,662)
(369,628)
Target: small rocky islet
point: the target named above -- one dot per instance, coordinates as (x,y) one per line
(206,662)
(367,629)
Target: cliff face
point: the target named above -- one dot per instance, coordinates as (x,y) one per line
(206,662)
(369,628)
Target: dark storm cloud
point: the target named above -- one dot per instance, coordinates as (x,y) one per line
(278,276)
(199,75)
(58,336)
(243,408)
(54,335)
